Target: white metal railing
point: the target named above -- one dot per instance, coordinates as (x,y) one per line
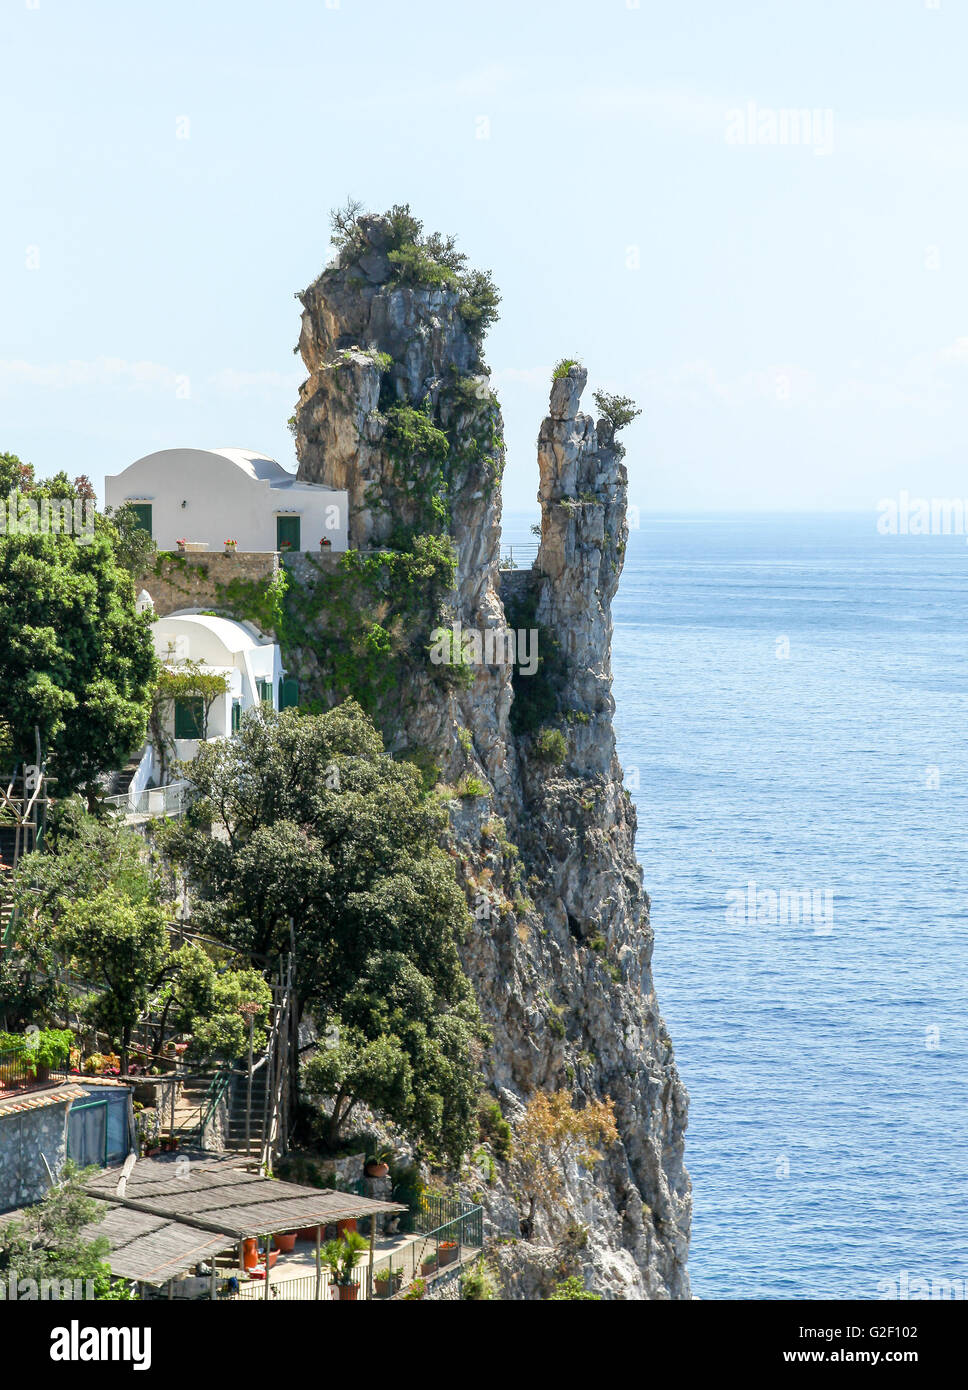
(153,801)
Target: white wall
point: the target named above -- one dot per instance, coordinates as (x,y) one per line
(242,659)
(223,502)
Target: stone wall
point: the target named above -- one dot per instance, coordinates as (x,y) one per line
(195,579)
(25,1135)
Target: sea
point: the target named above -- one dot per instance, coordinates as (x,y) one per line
(792,719)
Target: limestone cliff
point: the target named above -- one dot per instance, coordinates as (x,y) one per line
(559,953)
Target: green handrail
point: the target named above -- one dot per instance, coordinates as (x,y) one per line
(216,1090)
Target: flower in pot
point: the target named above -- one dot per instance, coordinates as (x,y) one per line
(447,1252)
(341,1257)
(388,1282)
(377,1164)
(416,1290)
(181,543)
(229,547)
(325,543)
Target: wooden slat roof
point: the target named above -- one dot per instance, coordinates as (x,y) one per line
(148,1247)
(209,1192)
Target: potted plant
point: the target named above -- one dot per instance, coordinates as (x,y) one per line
(428,1265)
(377,1165)
(341,1257)
(182,544)
(325,543)
(447,1252)
(229,547)
(285,545)
(45,1050)
(388,1282)
(416,1290)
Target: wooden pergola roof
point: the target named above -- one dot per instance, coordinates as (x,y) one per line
(209,1193)
(149,1248)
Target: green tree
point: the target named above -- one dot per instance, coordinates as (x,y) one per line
(133,545)
(98,898)
(121,948)
(572,1289)
(313,822)
(398,1053)
(77,659)
(51,1242)
(619,411)
(15,475)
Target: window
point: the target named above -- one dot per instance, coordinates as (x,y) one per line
(288,693)
(287,533)
(190,717)
(236,715)
(264,691)
(87,1133)
(142,512)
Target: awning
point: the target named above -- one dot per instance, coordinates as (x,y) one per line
(149,1248)
(210,1193)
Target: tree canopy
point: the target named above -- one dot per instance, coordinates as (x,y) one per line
(315,822)
(96,899)
(77,659)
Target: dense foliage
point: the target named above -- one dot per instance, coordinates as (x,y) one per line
(48,1245)
(95,900)
(421,259)
(317,824)
(77,659)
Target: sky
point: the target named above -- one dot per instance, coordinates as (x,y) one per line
(783,295)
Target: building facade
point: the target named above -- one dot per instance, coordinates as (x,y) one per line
(205,497)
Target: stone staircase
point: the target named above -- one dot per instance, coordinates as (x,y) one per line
(235,1139)
(189,1104)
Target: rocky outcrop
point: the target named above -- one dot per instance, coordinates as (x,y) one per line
(560,948)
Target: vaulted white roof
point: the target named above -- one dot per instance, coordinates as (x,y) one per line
(234,637)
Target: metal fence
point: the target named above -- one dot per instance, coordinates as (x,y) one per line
(152,802)
(21,1072)
(427,1255)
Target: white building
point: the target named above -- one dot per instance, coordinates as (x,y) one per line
(251,665)
(209,496)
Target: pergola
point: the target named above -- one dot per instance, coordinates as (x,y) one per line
(168,1213)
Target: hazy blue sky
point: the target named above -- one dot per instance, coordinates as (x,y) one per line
(796,327)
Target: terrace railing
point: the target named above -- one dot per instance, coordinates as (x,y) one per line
(21,1072)
(153,802)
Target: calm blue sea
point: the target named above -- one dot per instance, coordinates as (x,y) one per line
(792,712)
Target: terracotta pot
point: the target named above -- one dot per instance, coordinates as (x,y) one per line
(428,1267)
(447,1252)
(285,1242)
(250,1252)
(348,1292)
(307,1233)
(347,1225)
(377,1170)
